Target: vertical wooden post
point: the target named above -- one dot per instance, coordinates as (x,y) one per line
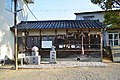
(101,44)
(55,41)
(66,47)
(79,37)
(89,42)
(89,39)
(78,42)
(26,34)
(40,42)
(15,44)
(82,34)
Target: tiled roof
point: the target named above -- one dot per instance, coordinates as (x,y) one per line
(60,24)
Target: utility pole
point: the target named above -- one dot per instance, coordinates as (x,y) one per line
(15,35)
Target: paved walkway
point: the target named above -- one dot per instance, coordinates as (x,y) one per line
(64,64)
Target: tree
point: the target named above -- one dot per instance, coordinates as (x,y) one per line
(112,17)
(107,4)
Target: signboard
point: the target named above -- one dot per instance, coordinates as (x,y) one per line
(116,55)
(46,44)
(20,56)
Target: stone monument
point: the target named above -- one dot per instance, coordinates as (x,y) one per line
(53,55)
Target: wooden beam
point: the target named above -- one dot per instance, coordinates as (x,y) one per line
(77,50)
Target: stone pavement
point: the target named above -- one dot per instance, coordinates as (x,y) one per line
(64,64)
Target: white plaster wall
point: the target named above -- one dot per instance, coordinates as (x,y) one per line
(97,16)
(48,32)
(72,30)
(34,32)
(61,32)
(7,21)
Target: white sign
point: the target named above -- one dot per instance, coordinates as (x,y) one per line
(46,44)
(21,56)
(52,56)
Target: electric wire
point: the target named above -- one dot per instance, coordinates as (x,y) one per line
(31,12)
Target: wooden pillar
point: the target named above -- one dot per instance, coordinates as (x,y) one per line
(89,42)
(26,34)
(40,43)
(78,42)
(82,34)
(55,41)
(101,44)
(89,39)
(15,35)
(66,45)
(78,36)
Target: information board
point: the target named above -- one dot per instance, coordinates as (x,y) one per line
(116,55)
(46,44)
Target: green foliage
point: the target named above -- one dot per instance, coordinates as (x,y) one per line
(107,4)
(112,17)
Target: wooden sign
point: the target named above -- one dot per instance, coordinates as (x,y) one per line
(116,55)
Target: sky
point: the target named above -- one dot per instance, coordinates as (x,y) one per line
(59,9)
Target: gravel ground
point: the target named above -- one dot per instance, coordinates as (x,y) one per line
(62,64)
(111,72)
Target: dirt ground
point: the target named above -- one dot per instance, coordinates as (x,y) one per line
(110,72)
